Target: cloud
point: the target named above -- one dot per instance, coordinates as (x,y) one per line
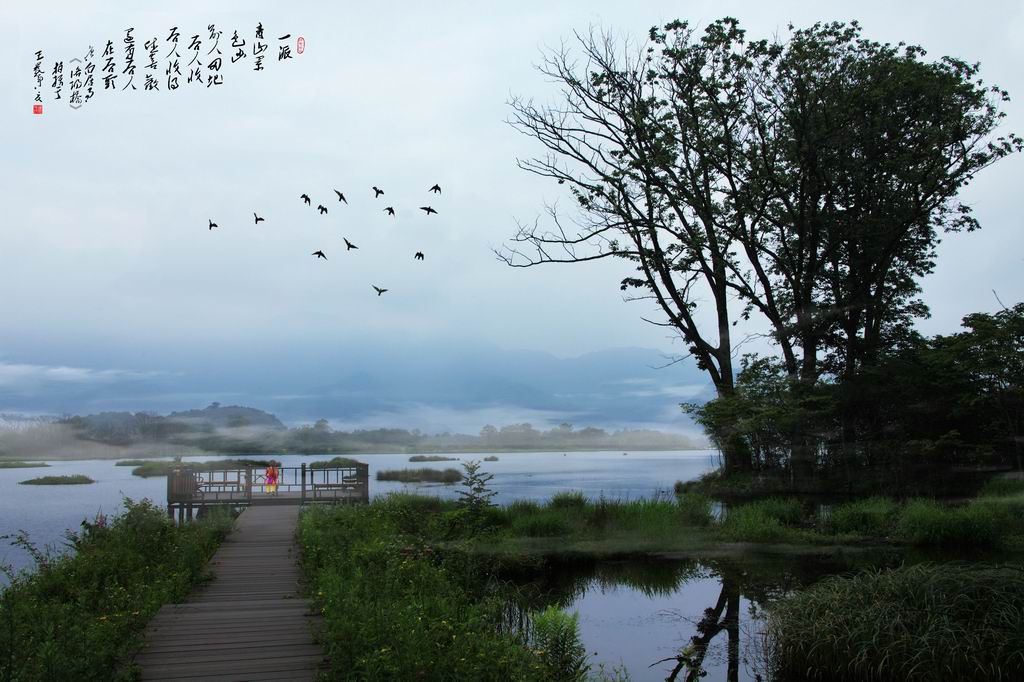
(14,375)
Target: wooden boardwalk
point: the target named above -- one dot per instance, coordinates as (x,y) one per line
(250,622)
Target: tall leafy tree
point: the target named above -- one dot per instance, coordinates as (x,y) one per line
(802,181)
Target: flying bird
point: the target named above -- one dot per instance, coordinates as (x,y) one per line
(349,245)
(436,189)
(212,224)
(390,210)
(305,197)
(419,255)
(319,254)
(341,197)
(377,192)
(321,208)
(378,289)
(427,209)
(258,219)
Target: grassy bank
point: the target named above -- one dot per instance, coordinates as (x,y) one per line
(18,464)
(73,479)
(397,607)
(924,622)
(164,467)
(79,616)
(448,476)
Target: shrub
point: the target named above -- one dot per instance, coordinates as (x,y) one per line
(874,516)
(568,499)
(522,507)
(334,463)
(79,616)
(924,622)
(978,524)
(447,476)
(555,639)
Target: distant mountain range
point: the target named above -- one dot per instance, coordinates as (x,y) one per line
(239,429)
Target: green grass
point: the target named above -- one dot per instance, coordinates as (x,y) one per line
(447,476)
(770,520)
(981,523)
(874,516)
(17,464)
(925,622)
(432,458)
(398,607)
(79,616)
(569,499)
(335,463)
(74,479)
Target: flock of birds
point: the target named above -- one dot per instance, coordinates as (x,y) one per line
(377,193)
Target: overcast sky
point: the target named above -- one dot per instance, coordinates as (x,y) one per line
(108,272)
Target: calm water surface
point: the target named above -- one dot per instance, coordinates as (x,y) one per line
(46,512)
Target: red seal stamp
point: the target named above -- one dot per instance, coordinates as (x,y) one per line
(300,45)
(37,108)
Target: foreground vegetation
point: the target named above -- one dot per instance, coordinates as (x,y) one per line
(73,479)
(79,616)
(925,622)
(396,606)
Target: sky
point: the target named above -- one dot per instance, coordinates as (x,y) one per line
(115,295)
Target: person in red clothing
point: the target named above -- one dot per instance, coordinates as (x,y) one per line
(272,478)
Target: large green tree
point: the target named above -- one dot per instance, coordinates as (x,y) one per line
(802,181)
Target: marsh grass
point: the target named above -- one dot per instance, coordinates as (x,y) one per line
(78,616)
(1003,487)
(73,479)
(769,520)
(981,523)
(18,464)
(924,622)
(874,516)
(425,475)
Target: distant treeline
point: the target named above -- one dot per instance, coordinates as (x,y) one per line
(237,429)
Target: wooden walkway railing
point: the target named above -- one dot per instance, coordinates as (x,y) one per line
(190,490)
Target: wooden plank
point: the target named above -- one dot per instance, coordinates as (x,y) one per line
(250,622)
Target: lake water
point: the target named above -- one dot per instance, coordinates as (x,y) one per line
(46,512)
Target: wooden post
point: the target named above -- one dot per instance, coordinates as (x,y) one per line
(302,496)
(248,483)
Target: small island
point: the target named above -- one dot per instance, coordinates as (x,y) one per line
(446,476)
(18,464)
(75,479)
(432,458)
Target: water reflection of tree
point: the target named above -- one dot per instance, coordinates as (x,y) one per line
(725,615)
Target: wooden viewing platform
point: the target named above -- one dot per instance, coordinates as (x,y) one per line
(251,622)
(191,490)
